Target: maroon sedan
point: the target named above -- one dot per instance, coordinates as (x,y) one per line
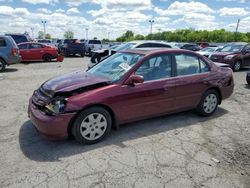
(34,51)
(128,86)
(236,55)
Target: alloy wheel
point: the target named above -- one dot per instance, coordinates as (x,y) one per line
(93,126)
(210,103)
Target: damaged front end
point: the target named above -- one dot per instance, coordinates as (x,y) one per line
(55,103)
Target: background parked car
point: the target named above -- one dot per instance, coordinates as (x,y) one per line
(236,55)
(208,51)
(189,46)
(9,52)
(71,47)
(98,55)
(92,45)
(19,38)
(33,51)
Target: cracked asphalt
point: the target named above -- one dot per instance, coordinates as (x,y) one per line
(179,150)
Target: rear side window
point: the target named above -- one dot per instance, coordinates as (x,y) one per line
(2,42)
(188,64)
(35,46)
(19,38)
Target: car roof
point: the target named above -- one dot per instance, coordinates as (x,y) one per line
(149,51)
(31,43)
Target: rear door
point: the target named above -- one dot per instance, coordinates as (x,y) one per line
(192,80)
(24,51)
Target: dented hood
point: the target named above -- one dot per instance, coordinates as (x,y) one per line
(72,81)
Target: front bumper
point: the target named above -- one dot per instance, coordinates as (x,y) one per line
(54,127)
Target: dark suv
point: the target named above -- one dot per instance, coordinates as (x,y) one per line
(19,38)
(71,47)
(9,52)
(236,55)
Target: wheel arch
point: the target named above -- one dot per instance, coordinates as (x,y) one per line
(4,60)
(115,121)
(217,89)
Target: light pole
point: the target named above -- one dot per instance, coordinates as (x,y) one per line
(44,31)
(87,33)
(32,31)
(151,26)
(236,30)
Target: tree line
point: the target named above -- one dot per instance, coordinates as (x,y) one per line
(189,35)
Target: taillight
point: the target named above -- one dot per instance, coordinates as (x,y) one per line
(14,51)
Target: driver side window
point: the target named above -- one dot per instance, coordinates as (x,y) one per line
(156,68)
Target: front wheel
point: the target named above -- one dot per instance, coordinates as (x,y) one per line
(236,66)
(92,125)
(2,65)
(208,103)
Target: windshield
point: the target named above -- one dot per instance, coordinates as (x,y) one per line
(116,65)
(125,46)
(232,48)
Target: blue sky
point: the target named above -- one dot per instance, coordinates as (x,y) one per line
(111,18)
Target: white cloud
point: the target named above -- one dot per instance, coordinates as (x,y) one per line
(8,11)
(44,10)
(34,2)
(182,8)
(60,10)
(79,2)
(232,12)
(73,11)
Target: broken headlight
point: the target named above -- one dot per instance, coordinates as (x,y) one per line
(57,105)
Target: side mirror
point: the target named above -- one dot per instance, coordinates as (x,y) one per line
(134,79)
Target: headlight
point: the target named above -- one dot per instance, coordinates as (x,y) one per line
(57,105)
(228,57)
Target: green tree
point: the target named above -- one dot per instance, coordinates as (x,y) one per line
(69,35)
(40,34)
(48,36)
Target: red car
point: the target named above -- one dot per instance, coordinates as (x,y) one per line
(33,51)
(128,86)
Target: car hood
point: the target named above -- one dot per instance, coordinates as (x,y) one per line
(72,81)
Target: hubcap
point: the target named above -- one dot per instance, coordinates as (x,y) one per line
(237,66)
(93,126)
(210,103)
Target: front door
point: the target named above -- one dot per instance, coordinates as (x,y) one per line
(153,97)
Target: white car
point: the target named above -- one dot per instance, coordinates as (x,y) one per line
(208,51)
(98,55)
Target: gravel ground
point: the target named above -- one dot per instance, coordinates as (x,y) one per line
(181,150)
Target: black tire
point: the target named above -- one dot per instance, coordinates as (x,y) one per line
(248,81)
(205,107)
(83,54)
(84,116)
(47,58)
(237,66)
(2,65)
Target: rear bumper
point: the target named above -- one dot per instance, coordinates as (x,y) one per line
(14,60)
(53,127)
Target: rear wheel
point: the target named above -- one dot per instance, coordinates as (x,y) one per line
(47,58)
(236,66)
(92,125)
(208,103)
(2,65)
